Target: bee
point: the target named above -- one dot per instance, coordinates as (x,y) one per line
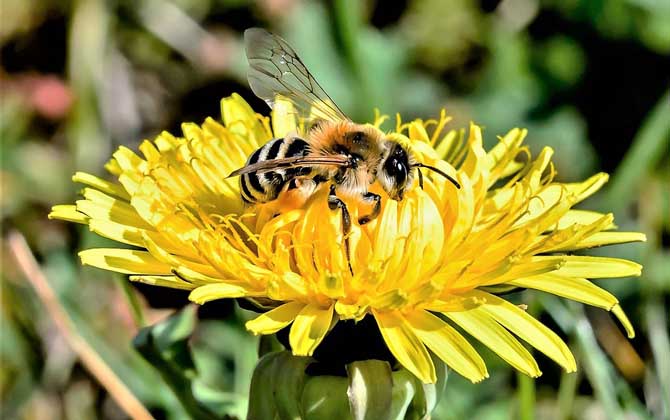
(333,150)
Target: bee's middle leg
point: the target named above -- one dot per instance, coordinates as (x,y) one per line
(334,202)
(377,207)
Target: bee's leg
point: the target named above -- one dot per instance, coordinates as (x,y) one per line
(334,202)
(420,178)
(377,199)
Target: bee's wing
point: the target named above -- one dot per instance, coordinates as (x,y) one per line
(276,72)
(292,162)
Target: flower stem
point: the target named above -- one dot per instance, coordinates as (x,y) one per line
(566,394)
(526,397)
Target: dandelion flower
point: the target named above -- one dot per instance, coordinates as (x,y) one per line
(427,264)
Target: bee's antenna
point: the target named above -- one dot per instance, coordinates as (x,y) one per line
(434,169)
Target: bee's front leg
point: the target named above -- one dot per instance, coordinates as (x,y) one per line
(377,207)
(334,203)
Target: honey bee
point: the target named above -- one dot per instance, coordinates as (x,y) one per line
(349,157)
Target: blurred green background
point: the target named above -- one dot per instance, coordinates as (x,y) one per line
(80,78)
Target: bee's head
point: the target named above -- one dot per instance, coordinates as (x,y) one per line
(397,167)
(395,173)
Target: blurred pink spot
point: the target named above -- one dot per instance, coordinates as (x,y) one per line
(50,96)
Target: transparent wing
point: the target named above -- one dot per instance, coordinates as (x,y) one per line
(277,73)
(292,162)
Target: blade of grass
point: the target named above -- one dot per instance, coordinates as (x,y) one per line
(613,392)
(647,149)
(134,304)
(657,325)
(89,27)
(347,16)
(596,366)
(89,358)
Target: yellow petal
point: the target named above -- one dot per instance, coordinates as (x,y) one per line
(195,277)
(405,345)
(272,321)
(288,286)
(528,328)
(215,291)
(607,238)
(117,232)
(240,119)
(474,163)
(392,299)
(417,132)
(112,166)
(125,261)
(500,160)
(428,243)
(449,145)
(447,344)
(166,142)
(597,267)
(589,187)
(128,161)
(621,315)
(484,328)
(386,234)
(68,212)
(102,206)
(532,266)
(464,217)
(580,290)
(149,150)
(581,217)
(310,327)
(173,282)
(102,185)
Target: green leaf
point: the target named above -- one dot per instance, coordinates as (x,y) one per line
(165,346)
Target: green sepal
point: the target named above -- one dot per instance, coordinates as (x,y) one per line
(261,401)
(289,384)
(370,389)
(427,395)
(268,344)
(404,389)
(325,398)
(442,373)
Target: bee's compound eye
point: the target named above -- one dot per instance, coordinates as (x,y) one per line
(357,137)
(397,170)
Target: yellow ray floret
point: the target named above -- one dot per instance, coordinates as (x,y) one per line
(418,268)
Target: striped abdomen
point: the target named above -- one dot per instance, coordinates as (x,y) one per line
(266,186)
